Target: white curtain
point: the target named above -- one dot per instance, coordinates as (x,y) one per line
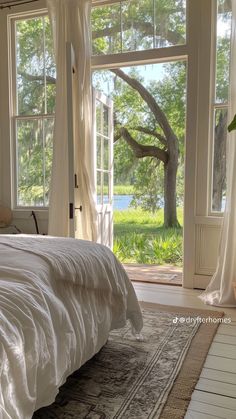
(220,290)
(70,21)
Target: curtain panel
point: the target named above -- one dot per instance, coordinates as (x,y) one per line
(70,21)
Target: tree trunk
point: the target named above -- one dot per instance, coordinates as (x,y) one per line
(219,169)
(170,174)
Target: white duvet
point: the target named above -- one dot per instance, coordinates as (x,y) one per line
(59,298)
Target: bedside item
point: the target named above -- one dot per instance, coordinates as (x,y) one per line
(6,219)
(5,216)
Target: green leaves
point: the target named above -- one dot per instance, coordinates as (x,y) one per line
(140,238)
(232,125)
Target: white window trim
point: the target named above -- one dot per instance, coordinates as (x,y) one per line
(14,117)
(6,140)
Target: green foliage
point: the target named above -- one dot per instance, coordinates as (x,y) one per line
(35,96)
(34,62)
(140,238)
(140,221)
(148,186)
(222,70)
(138,25)
(34,161)
(232,125)
(123,190)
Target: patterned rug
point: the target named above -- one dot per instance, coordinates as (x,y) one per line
(153,378)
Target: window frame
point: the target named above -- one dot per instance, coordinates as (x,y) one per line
(214,105)
(14,116)
(149,56)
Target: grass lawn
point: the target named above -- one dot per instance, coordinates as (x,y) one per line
(139,237)
(123,189)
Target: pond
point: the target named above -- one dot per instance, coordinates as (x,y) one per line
(121,202)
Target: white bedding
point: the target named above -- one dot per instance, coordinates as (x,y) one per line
(59,298)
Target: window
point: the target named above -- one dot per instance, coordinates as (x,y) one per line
(133,25)
(34,76)
(103,152)
(220,104)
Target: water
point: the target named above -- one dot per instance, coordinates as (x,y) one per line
(121,202)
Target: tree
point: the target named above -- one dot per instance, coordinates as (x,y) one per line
(167,152)
(219,179)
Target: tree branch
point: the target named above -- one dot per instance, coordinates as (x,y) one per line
(32,77)
(141,150)
(152,104)
(145,28)
(147,131)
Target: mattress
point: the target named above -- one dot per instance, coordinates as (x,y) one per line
(59,299)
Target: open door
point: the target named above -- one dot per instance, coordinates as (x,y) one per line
(103,148)
(70,68)
(75,206)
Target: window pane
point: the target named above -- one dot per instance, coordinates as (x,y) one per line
(98,117)
(30,66)
(48,154)
(99,152)
(137,25)
(170,23)
(99,187)
(50,68)
(35,67)
(105,154)
(30,162)
(106,189)
(106,29)
(219,164)
(134,25)
(224,16)
(34,157)
(105,120)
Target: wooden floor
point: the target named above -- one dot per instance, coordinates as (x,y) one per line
(215,392)
(156,274)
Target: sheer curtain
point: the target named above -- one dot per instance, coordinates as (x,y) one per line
(220,290)
(71,23)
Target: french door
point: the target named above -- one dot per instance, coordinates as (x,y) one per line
(103,161)
(103,149)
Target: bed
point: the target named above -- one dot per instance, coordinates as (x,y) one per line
(59,298)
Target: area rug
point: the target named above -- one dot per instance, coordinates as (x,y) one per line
(149,378)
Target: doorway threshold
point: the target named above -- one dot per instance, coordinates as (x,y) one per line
(154,274)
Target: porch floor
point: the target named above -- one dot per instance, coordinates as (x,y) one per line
(155,274)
